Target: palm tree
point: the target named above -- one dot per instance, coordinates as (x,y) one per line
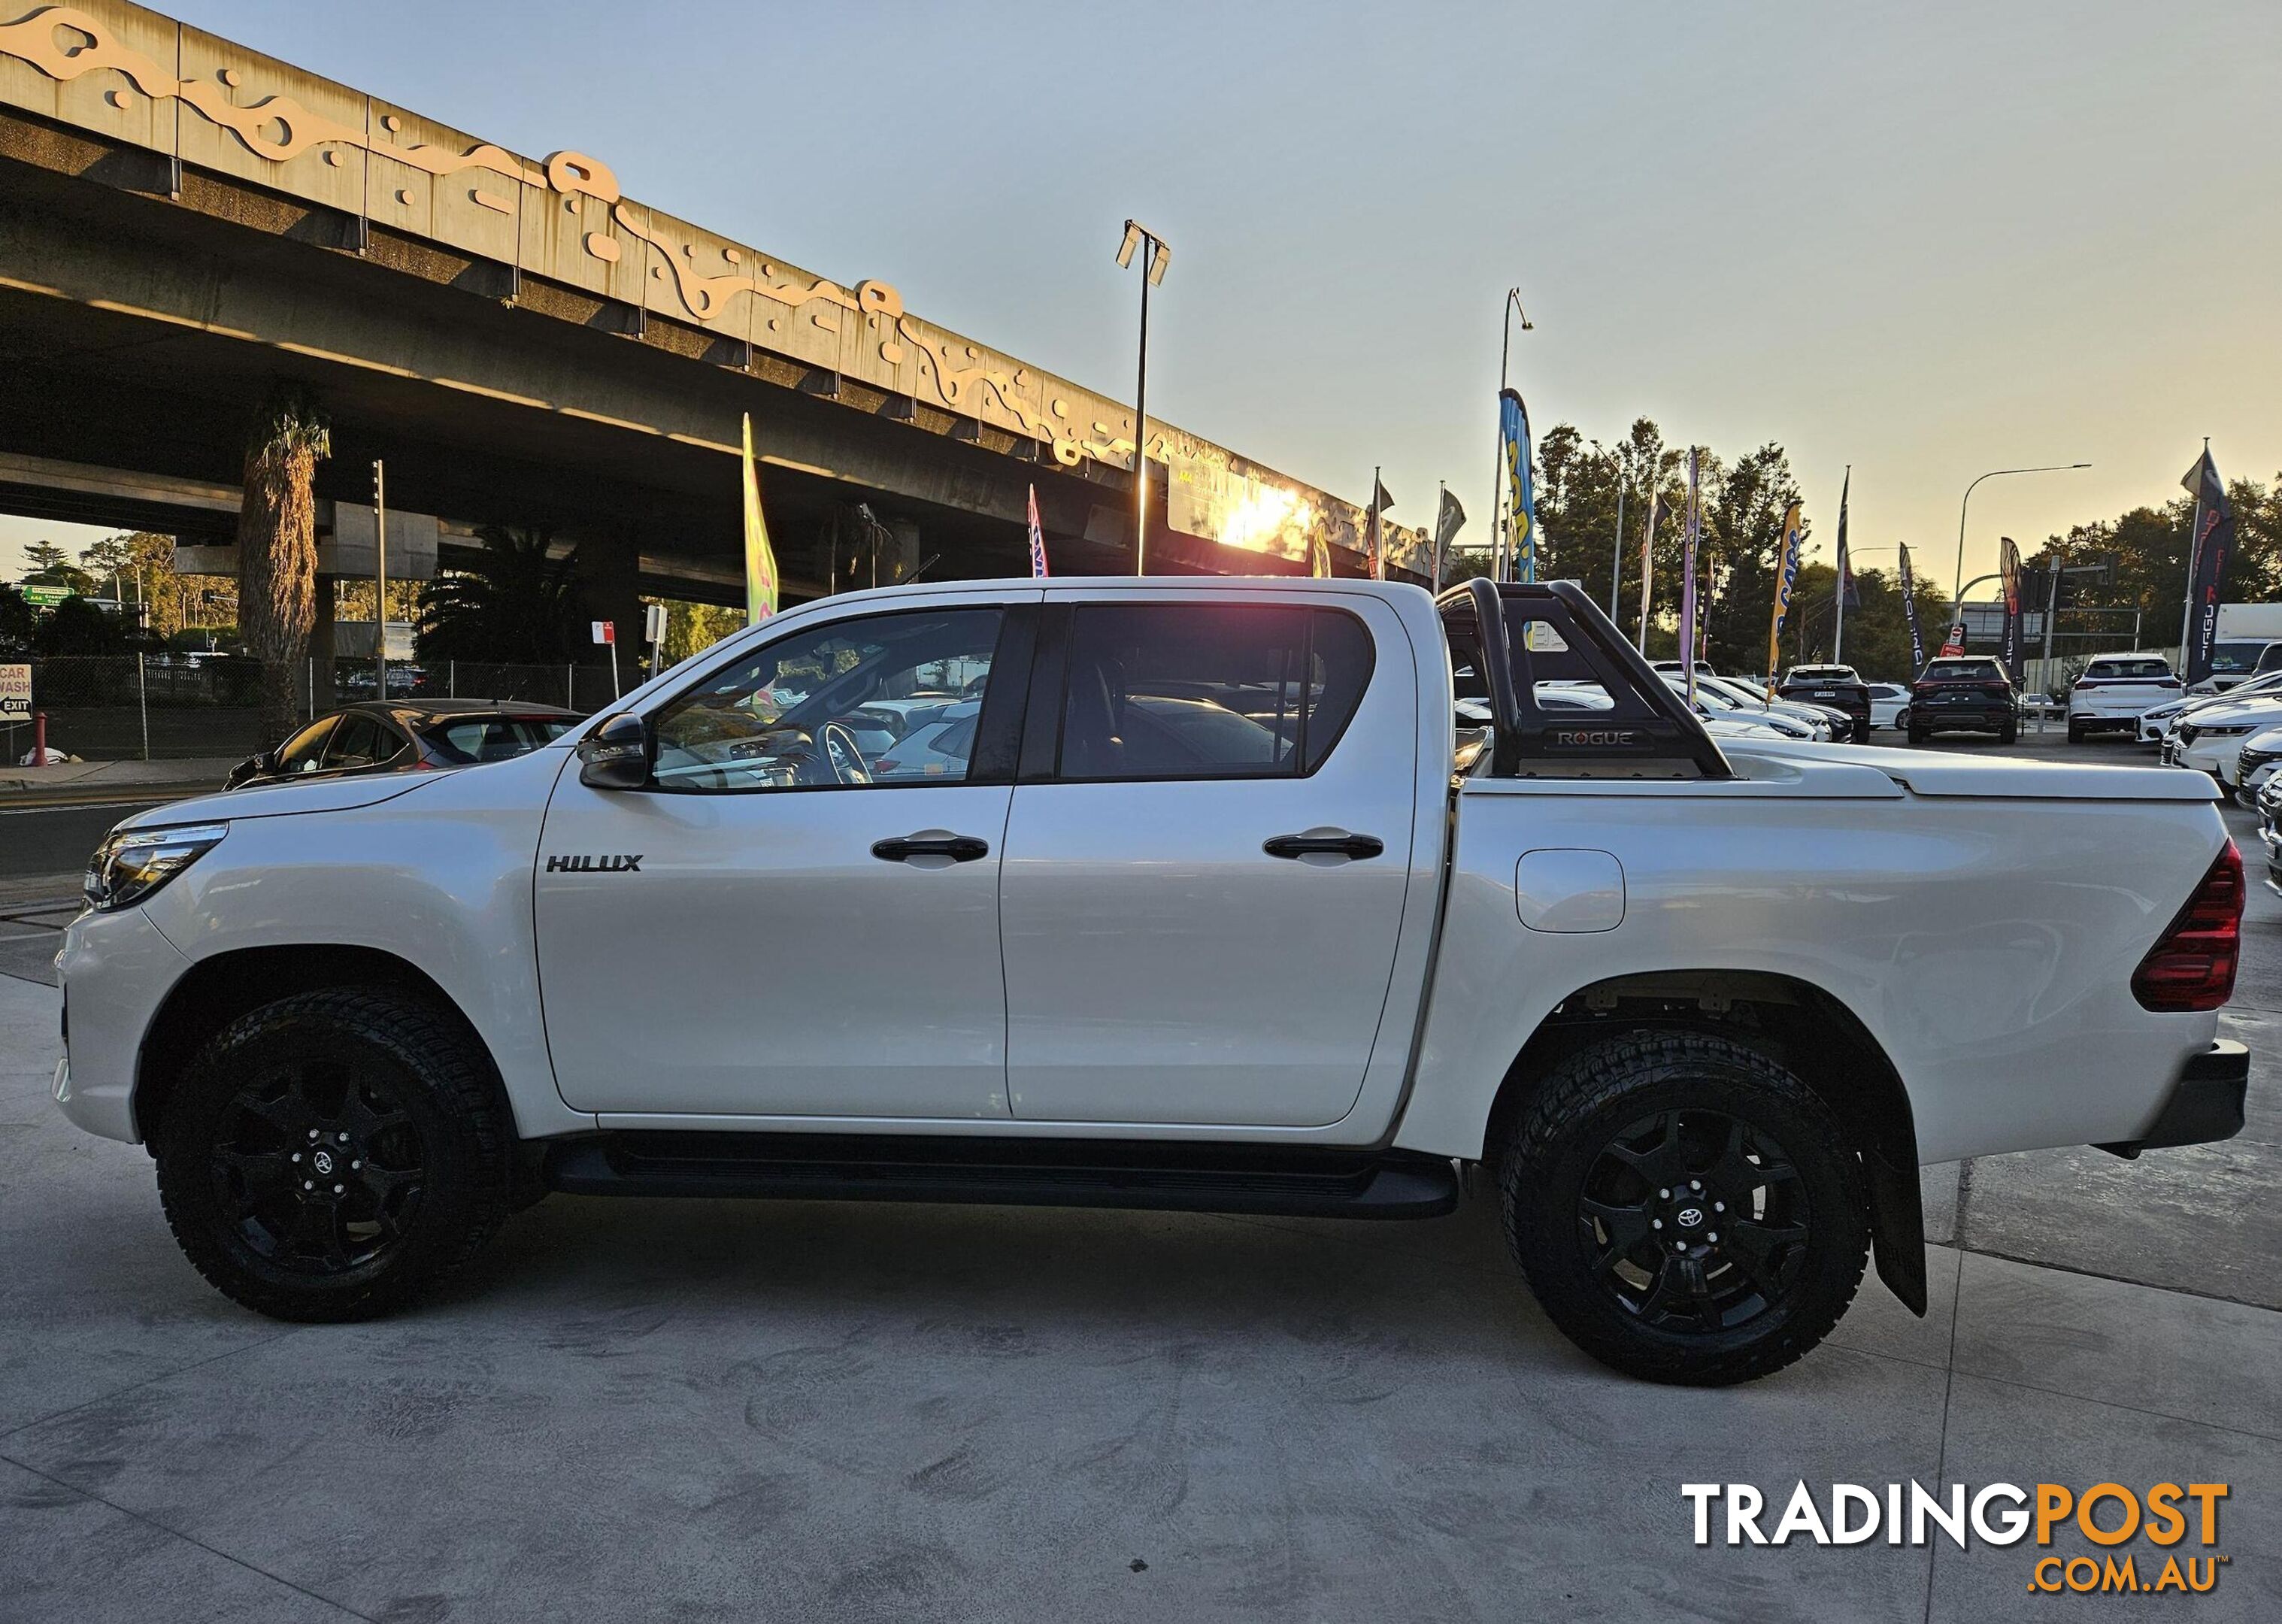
(516,604)
(277,546)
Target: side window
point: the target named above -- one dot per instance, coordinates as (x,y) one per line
(305,751)
(821,709)
(1208,690)
(359,742)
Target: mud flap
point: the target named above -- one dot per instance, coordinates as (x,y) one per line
(1897,1231)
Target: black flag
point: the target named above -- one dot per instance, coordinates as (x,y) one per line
(2014,655)
(1910,614)
(2214,540)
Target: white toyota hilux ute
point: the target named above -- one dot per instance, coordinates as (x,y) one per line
(1216,911)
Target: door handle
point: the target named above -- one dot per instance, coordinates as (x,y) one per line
(957,848)
(1335,843)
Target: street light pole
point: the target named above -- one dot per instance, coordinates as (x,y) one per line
(1156,256)
(380,580)
(1957,605)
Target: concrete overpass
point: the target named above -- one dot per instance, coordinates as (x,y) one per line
(185,221)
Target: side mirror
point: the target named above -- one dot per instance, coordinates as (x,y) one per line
(616,754)
(246,769)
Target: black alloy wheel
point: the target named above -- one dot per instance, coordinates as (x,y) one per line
(330,1155)
(1694,1221)
(319,1163)
(1685,1208)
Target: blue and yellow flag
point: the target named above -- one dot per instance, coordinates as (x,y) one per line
(1786,579)
(760,563)
(1521,494)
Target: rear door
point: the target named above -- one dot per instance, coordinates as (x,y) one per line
(1207,858)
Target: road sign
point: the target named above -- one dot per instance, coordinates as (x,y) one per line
(45,597)
(606,632)
(653,623)
(15,694)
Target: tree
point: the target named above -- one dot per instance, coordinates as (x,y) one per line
(77,626)
(277,547)
(51,566)
(517,605)
(19,622)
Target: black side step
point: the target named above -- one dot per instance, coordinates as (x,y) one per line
(1164,1176)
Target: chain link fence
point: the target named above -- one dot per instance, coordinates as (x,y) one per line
(176,706)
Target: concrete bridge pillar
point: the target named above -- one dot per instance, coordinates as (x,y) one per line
(609,564)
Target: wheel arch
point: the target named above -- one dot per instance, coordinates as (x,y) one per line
(216,991)
(1807,1028)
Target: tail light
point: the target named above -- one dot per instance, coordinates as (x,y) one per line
(2082,683)
(2191,966)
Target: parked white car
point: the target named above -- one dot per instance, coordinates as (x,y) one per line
(2209,738)
(1889,705)
(2116,690)
(1712,703)
(2156,725)
(1190,930)
(2255,763)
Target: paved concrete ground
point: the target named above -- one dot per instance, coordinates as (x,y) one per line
(655,1410)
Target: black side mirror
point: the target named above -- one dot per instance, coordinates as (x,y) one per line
(616,754)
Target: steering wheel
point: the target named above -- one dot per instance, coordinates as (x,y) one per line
(838,747)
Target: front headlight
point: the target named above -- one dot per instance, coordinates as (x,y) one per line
(130,866)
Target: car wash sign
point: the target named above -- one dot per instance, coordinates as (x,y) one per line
(15,694)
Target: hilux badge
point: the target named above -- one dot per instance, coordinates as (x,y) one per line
(618,863)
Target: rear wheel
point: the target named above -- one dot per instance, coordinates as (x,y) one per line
(2075,731)
(1917,733)
(1685,1209)
(2009,731)
(330,1155)
(1861,730)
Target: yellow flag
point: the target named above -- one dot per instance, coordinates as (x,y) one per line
(1319,554)
(760,563)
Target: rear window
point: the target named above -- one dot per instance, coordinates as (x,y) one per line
(1161,690)
(2151,666)
(495,738)
(2241,659)
(1962,671)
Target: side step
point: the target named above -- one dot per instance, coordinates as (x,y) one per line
(1159,1176)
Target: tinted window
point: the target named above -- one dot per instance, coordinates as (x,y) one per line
(305,751)
(359,742)
(494,738)
(799,712)
(2129,668)
(1163,690)
(1962,671)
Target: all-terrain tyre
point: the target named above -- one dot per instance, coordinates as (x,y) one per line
(330,1155)
(1685,1209)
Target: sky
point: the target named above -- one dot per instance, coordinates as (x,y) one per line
(1927,240)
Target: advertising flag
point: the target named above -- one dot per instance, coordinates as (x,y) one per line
(2011,648)
(1375,536)
(1910,615)
(1786,577)
(1520,495)
(1038,539)
(2214,542)
(1648,563)
(760,563)
(1450,519)
(1691,530)
(1848,594)
(1319,554)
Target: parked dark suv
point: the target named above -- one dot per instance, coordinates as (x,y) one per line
(1964,693)
(1838,687)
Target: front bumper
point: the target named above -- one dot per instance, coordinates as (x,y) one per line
(117,969)
(2205,1104)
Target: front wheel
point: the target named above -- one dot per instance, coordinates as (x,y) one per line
(1685,1208)
(330,1155)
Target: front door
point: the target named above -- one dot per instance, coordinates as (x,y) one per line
(791,920)
(1202,897)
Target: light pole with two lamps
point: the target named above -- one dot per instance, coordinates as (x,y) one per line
(1156,256)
